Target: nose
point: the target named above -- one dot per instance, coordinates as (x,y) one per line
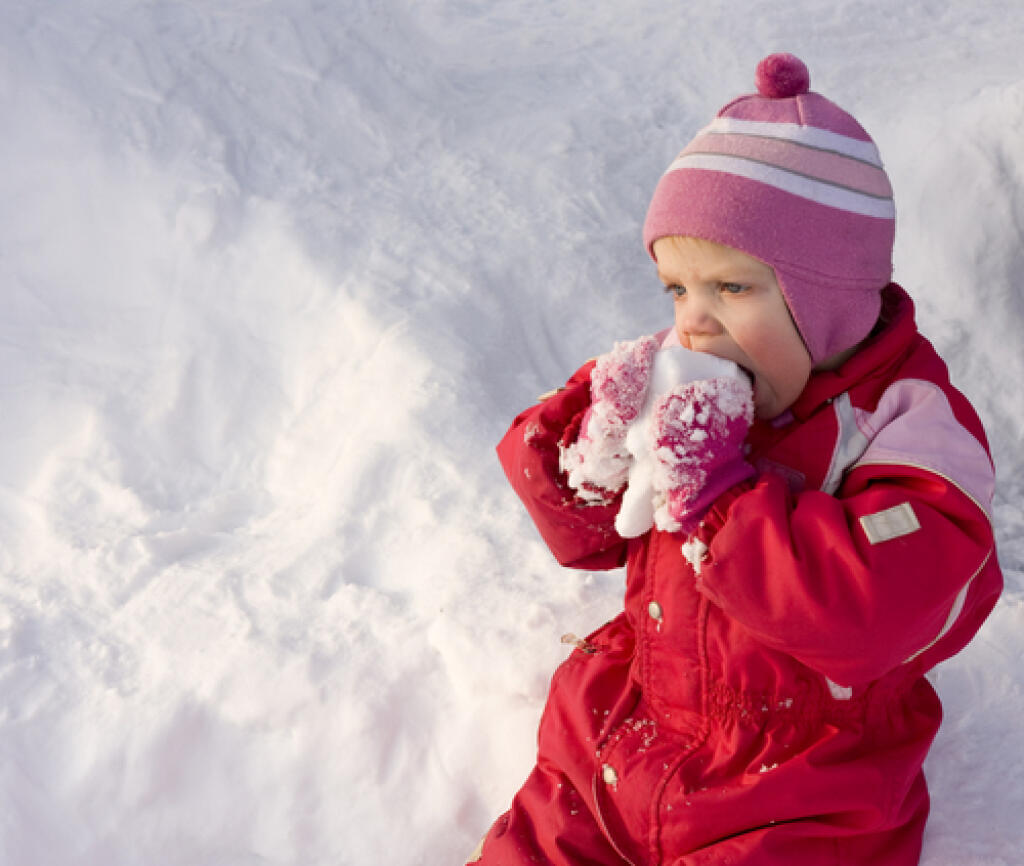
(695,318)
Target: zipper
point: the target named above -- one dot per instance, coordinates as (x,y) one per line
(604,826)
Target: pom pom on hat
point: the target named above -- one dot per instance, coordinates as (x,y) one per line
(780,76)
(788,177)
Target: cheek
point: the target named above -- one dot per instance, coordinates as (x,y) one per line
(782,360)
(785,351)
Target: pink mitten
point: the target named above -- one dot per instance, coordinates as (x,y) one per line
(698,435)
(597,463)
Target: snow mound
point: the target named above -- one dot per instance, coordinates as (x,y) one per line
(276,278)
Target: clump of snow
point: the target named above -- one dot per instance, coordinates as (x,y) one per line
(644,497)
(838,692)
(278,276)
(595,466)
(694,552)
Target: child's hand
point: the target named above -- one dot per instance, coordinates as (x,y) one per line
(597,462)
(698,431)
(619,383)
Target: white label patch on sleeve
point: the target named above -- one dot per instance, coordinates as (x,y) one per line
(892,523)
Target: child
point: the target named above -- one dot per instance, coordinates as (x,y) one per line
(804,520)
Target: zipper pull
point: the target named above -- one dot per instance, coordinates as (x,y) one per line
(579,643)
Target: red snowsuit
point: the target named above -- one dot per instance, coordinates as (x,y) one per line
(762,701)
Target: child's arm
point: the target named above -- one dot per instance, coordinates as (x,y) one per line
(899,566)
(579,534)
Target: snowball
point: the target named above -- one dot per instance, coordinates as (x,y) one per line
(673,366)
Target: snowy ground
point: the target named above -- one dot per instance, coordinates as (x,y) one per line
(277,275)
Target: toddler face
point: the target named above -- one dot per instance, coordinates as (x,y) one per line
(730,305)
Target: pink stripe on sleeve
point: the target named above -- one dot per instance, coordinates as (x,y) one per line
(914,425)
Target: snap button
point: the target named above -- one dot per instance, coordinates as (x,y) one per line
(611,778)
(654,609)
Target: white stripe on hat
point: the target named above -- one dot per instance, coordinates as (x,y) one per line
(818,191)
(810,136)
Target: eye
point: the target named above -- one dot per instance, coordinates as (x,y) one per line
(675,290)
(733,288)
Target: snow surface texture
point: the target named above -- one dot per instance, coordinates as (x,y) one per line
(277,276)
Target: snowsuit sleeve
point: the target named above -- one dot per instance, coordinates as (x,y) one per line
(579,535)
(897,567)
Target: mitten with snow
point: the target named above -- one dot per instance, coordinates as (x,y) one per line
(697,437)
(597,462)
(674,367)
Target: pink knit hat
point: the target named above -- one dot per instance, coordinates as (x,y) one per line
(791,179)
